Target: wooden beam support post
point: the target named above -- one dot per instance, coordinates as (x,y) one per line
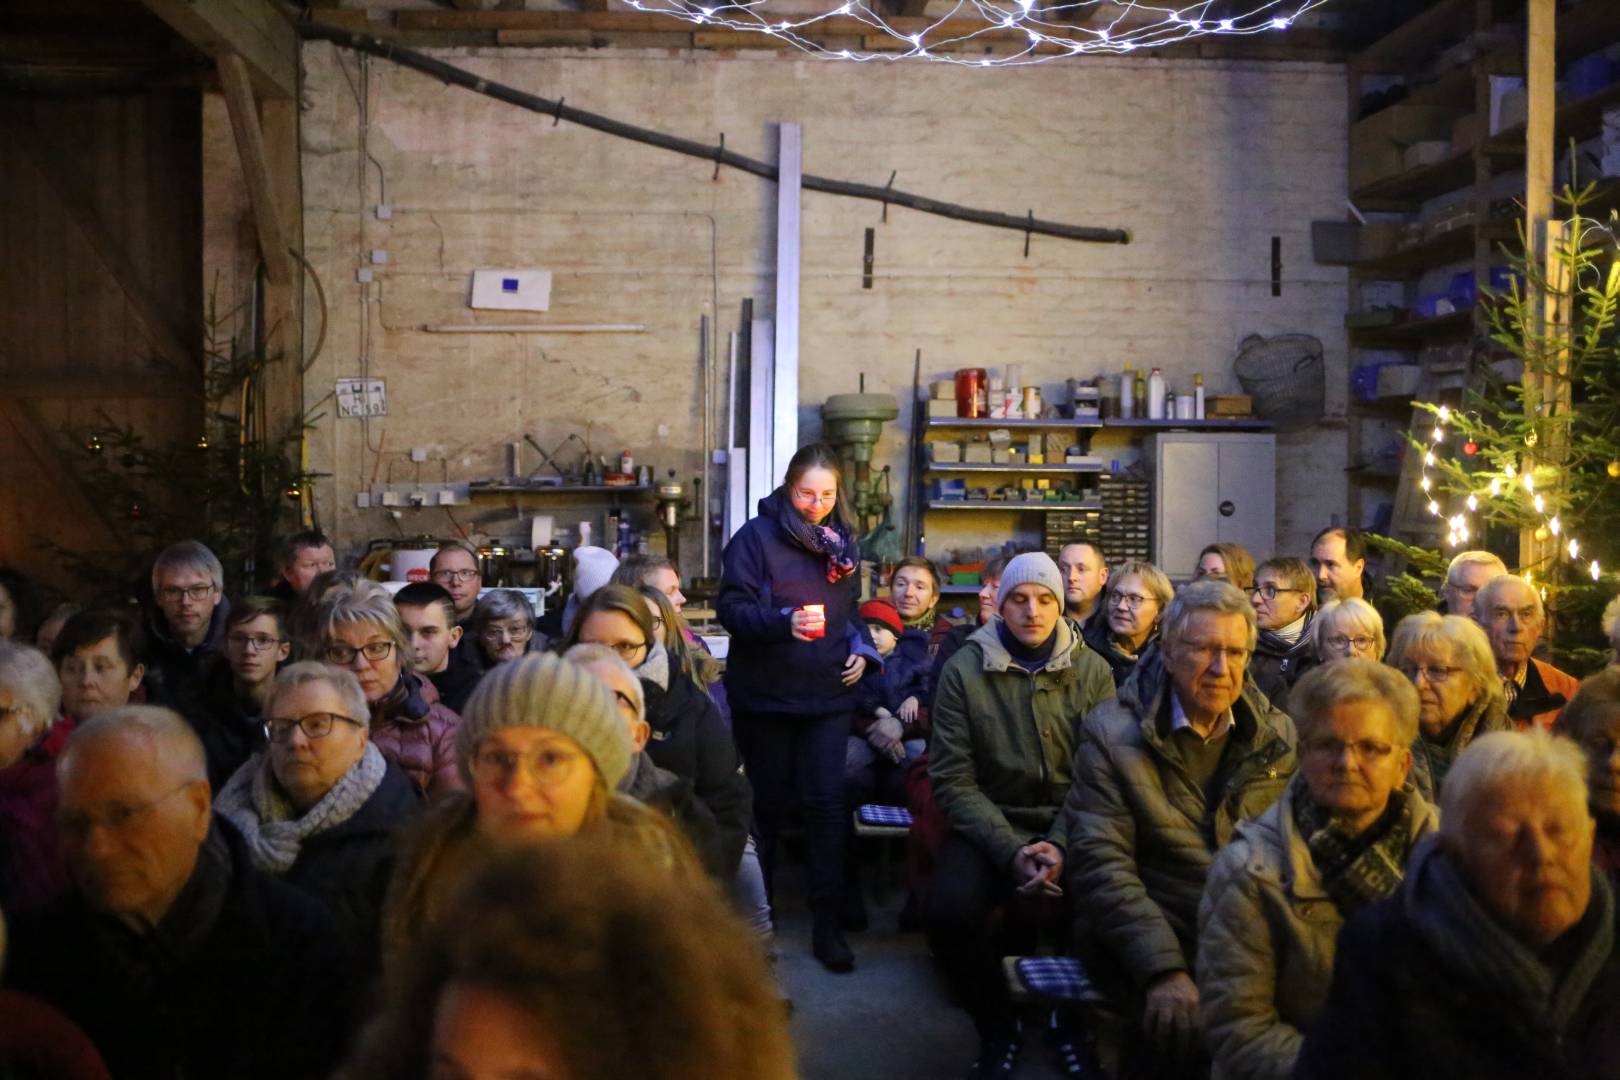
(267,217)
(254,30)
(1540,69)
(19,131)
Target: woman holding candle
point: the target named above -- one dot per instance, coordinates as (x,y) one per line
(789,597)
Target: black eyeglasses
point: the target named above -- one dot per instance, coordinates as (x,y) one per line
(343,655)
(316,725)
(1270,591)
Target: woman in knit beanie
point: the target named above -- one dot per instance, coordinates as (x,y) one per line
(542,747)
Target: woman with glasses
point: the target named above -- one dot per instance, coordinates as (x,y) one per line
(503,626)
(227,707)
(1337,841)
(1448,658)
(688,737)
(1348,628)
(542,747)
(361,631)
(318,807)
(1284,599)
(1137,595)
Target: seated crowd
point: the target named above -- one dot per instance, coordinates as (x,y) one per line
(330,829)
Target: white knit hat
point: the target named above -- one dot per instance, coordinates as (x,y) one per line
(1030,568)
(545,691)
(593,568)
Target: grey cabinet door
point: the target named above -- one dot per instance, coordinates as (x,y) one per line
(1211,487)
(1248,488)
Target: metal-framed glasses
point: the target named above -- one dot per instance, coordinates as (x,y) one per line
(316,725)
(1131,600)
(458,576)
(1360,642)
(547,766)
(253,642)
(117,818)
(1363,750)
(497,635)
(1268,591)
(1434,673)
(343,655)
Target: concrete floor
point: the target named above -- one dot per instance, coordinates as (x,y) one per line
(890,1018)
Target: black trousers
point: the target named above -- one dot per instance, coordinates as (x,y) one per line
(790,755)
(973,917)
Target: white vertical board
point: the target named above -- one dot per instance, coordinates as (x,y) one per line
(761,396)
(785,365)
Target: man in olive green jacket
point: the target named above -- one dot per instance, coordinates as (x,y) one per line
(1163,774)
(1005,719)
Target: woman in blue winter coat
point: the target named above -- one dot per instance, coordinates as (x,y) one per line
(789,597)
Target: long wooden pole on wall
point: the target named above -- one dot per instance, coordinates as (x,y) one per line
(1540,69)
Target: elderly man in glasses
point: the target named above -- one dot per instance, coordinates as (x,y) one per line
(1511,614)
(187,625)
(319,806)
(454,569)
(1163,774)
(176,955)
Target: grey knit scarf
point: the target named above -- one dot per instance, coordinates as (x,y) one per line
(1476,947)
(275,834)
(1356,870)
(655,669)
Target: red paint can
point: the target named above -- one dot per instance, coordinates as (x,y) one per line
(971,383)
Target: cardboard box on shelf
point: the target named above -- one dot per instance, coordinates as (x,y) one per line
(1230,406)
(976,454)
(1404,125)
(1375,161)
(942,410)
(946,452)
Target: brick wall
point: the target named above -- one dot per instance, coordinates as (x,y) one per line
(1203,161)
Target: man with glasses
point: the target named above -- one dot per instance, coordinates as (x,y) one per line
(174,954)
(1284,599)
(454,568)
(299,559)
(226,703)
(187,625)
(1163,774)
(1511,613)
(1468,571)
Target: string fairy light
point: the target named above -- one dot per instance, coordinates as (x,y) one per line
(1459,526)
(982,33)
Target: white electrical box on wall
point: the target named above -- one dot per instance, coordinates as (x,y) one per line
(511,290)
(1209,488)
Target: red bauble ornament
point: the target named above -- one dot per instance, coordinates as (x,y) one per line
(1470,448)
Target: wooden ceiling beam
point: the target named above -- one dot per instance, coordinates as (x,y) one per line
(254,30)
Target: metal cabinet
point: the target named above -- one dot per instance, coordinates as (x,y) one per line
(1210,488)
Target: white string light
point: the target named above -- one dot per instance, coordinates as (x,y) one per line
(1458,526)
(981,33)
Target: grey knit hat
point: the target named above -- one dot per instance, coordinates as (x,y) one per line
(543,690)
(1030,568)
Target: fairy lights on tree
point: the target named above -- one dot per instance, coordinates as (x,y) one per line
(977,33)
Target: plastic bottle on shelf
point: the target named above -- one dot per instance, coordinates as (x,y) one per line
(1127,395)
(1141,396)
(1156,391)
(1198,396)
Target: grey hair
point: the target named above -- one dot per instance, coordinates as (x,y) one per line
(501,604)
(1472,558)
(1499,756)
(170,739)
(1350,609)
(1486,597)
(1611,620)
(1155,579)
(28,674)
(587,653)
(366,602)
(342,681)
(1470,648)
(1209,594)
(1358,681)
(189,555)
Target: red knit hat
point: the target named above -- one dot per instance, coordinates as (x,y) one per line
(882,611)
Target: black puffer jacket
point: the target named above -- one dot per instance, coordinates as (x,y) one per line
(1095,630)
(663,791)
(690,740)
(1277,665)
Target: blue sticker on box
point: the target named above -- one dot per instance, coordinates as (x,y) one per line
(509,284)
